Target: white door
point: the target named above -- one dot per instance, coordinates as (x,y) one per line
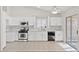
(74,29)
(75,32)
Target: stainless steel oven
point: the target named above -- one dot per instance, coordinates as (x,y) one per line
(23,32)
(23,36)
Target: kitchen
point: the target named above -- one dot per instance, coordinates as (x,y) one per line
(35,24)
(38,28)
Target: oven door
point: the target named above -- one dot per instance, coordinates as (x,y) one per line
(22,36)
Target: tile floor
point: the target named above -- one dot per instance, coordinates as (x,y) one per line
(33,47)
(67,48)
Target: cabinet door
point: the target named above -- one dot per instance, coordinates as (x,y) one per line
(38,36)
(54,21)
(35,36)
(44,36)
(13,21)
(38,21)
(11,36)
(31,36)
(31,21)
(43,23)
(58,36)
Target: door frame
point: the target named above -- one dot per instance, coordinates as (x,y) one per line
(70,29)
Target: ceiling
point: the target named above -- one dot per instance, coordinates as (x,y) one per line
(50,8)
(36,10)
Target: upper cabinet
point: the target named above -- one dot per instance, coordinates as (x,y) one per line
(18,20)
(44,22)
(36,22)
(55,21)
(31,21)
(41,22)
(13,21)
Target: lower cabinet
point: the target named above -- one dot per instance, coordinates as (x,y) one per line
(31,36)
(44,36)
(37,36)
(58,36)
(11,36)
(34,36)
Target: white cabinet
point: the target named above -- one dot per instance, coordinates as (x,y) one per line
(58,35)
(54,21)
(11,34)
(38,23)
(44,36)
(31,21)
(41,22)
(31,36)
(13,21)
(37,36)
(44,22)
(34,36)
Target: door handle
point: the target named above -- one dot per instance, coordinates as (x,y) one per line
(77,31)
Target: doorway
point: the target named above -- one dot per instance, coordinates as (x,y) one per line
(72,31)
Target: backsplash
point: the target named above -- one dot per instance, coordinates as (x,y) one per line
(32,28)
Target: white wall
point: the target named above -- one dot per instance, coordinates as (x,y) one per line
(3,29)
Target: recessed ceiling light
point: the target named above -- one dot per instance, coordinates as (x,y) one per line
(54,12)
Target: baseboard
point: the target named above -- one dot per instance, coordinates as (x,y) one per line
(59,41)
